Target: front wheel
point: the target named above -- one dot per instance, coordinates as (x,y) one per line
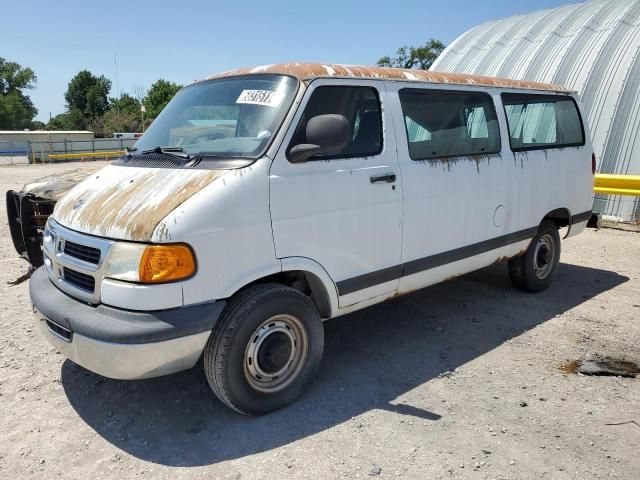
(537,267)
(265,349)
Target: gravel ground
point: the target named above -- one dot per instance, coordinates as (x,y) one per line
(461,380)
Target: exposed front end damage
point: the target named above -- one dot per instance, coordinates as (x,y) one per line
(28,215)
(29,208)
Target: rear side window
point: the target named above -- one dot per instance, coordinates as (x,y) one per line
(542,121)
(359,105)
(442,124)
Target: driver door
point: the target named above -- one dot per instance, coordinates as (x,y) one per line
(343,211)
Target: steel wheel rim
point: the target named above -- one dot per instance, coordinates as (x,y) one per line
(543,257)
(276,353)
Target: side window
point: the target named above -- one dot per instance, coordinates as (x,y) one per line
(359,105)
(415,131)
(443,123)
(539,121)
(476,123)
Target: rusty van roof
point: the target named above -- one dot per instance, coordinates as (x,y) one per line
(309,71)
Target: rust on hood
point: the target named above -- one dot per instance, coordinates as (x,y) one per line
(308,71)
(128,203)
(53,187)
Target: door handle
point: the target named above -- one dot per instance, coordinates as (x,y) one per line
(387,178)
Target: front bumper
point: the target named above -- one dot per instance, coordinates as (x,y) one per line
(119,343)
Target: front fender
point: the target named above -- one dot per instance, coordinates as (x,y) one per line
(305,264)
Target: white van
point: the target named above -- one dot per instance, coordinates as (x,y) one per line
(263,201)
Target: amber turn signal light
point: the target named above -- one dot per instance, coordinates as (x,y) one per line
(166,263)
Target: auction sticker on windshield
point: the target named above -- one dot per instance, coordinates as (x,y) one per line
(267,98)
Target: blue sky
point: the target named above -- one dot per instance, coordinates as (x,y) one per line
(187,40)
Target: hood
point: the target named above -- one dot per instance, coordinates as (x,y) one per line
(128,203)
(53,187)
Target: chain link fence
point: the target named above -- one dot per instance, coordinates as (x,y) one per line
(14,152)
(39,151)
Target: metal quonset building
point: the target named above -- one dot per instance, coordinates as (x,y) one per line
(591,47)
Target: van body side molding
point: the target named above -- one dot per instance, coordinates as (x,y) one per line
(581,217)
(372,279)
(439,259)
(368,280)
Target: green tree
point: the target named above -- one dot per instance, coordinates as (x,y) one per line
(160,93)
(87,94)
(123,115)
(16,108)
(71,120)
(126,103)
(414,57)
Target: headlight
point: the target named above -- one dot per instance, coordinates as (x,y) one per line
(135,262)
(124,261)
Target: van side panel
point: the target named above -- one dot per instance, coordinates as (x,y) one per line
(459,212)
(554,178)
(464,213)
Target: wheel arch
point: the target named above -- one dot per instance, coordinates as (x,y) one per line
(304,275)
(561,217)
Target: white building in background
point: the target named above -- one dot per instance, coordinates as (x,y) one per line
(591,47)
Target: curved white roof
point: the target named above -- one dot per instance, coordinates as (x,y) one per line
(593,48)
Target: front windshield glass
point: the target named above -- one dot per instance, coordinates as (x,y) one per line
(231,117)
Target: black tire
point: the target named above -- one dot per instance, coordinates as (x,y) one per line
(537,267)
(232,362)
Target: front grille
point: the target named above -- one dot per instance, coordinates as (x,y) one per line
(77,263)
(79,280)
(82,252)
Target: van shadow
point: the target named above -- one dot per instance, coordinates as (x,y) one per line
(371,358)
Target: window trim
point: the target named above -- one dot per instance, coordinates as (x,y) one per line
(451,92)
(321,158)
(542,97)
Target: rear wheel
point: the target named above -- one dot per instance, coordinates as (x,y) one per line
(537,267)
(265,349)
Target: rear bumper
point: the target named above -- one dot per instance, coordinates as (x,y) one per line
(118,343)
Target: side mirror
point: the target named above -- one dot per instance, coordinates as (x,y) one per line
(326,134)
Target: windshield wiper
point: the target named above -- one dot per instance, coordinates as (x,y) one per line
(177,152)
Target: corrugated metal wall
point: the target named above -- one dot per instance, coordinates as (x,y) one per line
(591,47)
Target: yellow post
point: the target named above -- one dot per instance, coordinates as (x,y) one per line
(86,155)
(617,184)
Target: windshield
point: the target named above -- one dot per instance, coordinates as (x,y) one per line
(231,117)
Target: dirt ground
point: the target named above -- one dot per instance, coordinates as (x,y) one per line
(461,380)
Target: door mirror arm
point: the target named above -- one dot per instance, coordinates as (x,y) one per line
(302,152)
